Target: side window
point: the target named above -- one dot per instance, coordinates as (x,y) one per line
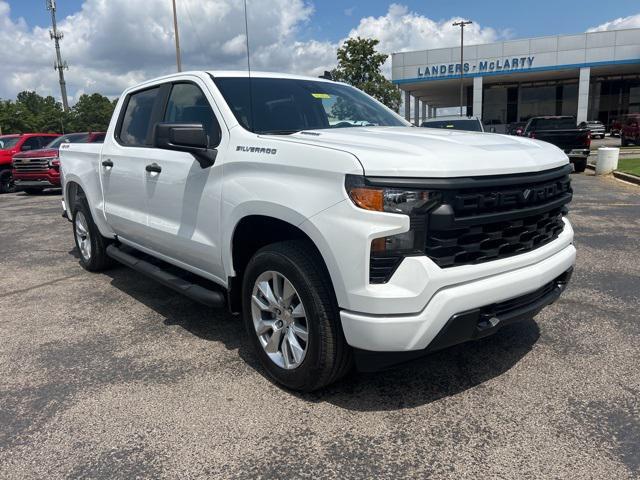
(137,118)
(31,143)
(187,104)
(44,141)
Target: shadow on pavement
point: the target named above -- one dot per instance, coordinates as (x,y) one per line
(442,374)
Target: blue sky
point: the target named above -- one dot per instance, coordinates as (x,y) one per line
(333,19)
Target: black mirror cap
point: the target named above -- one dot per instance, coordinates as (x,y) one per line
(185,137)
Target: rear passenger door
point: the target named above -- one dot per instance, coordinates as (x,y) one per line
(123,162)
(183,198)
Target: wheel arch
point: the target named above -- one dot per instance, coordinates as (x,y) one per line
(73,190)
(254,231)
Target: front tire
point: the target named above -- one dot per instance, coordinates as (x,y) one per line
(292,317)
(6,181)
(91,245)
(623,141)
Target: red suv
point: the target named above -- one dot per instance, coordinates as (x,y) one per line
(35,170)
(12,144)
(630,130)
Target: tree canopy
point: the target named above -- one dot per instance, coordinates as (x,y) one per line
(31,112)
(360,65)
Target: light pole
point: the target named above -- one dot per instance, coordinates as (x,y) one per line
(59,65)
(462,24)
(175,29)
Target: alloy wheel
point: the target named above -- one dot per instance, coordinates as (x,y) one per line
(82,236)
(280,320)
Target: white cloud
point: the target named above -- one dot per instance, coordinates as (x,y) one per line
(632,21)
(403,30)
(112,44)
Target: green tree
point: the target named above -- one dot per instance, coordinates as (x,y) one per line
(92,113)
(359,65)
(31,113)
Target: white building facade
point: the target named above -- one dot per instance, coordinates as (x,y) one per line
(592,76)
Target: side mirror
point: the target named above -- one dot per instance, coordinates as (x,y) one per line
(186,137)
(25,148)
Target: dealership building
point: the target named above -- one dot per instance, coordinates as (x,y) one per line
(592,76)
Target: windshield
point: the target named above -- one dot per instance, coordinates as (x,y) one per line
(469,125)
(282,105)
(8,142)
(71,138)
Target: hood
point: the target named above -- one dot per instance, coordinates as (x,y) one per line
(431,152)
(40,153)
(6,155)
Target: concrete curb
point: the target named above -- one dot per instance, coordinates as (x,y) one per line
(627,177)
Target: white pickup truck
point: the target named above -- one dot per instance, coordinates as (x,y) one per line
(339,243)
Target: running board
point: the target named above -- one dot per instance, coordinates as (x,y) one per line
(211,298)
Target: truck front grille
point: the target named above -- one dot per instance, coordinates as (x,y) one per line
(491,241)
(514,215)
(31,165)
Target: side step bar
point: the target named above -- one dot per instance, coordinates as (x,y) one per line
(212,298)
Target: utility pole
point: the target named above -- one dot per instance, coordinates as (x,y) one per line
(462,24)
(175,31)
(59,65)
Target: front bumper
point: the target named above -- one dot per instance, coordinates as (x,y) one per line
(35,184)
(401,333)
(472,325)
(41,179)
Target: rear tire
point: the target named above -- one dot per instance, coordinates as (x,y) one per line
(623,141)
(33,191)
(91,245)
(580,166)
(325,356)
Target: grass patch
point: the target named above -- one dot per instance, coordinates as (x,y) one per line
(629,165)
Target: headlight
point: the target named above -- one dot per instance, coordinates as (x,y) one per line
(54,162)
(387,252)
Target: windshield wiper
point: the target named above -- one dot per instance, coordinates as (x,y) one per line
(277,132)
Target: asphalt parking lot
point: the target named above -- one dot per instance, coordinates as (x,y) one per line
(113,376)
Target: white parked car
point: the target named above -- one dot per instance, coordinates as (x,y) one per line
(371,244)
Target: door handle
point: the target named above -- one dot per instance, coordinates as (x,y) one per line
(107,163)
(153,167)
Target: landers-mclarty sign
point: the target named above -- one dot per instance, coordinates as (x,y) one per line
(500,65)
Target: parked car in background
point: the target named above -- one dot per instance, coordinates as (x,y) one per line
(595,127)
(455,122)
(12,144)
(615,128)
(377,244)
(630,132)
(516,128)
(562,132)
(35,170)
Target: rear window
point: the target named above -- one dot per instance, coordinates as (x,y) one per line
(468,125)
(98,138)
(71,138)
(568,123)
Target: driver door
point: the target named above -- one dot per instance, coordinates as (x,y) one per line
(183,198)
